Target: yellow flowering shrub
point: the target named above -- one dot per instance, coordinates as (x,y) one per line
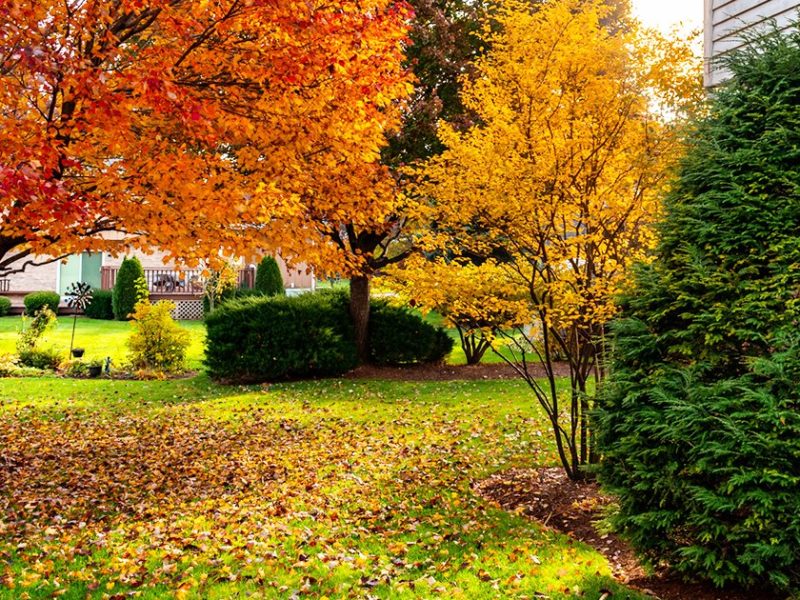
(157,342)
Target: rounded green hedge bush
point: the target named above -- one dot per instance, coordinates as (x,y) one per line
(699,421)
(398,337)
(228,295)
(47,358)
(36,300)
(267,338)
(100,306)
(5,306)
(262,338)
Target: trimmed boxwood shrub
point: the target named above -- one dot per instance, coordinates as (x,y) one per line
(699,423)
(5,306)
(230,294)
(398,336)
(272,338)
(266,338)
(268,278)
(36,300)
(129,289)
(100,306)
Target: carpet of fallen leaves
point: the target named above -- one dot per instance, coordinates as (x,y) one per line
(307,490)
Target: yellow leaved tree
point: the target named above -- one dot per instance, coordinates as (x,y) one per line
(474,299)
(561,182)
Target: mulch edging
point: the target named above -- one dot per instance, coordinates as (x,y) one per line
(444,372)
(573,508)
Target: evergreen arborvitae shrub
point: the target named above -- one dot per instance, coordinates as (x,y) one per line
(268,278)
(5,306)
(699,423)
(129,289)
(398,337)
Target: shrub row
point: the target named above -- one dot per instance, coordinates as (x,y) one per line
(100,306)
(273,338)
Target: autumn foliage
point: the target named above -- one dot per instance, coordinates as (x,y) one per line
(193,125)
(474,299)
(561,180)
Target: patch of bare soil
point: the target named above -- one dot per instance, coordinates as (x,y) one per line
(574,508)
(443,372)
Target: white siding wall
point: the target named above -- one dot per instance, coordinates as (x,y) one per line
(726,20)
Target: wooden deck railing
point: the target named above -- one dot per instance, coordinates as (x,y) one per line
(179,282)
(4,285)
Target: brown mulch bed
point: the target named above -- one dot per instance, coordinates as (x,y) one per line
(549,497)
(443,372)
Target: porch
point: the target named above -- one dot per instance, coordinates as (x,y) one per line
(171,284)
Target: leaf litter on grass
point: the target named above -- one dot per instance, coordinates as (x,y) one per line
(277,493)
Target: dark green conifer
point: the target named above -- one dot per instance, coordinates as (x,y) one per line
(699,426)
(268,278)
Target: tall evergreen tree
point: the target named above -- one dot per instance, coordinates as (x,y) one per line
(700,422)
(129,288)
(268,278)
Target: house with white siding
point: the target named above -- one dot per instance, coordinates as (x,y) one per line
(727,23)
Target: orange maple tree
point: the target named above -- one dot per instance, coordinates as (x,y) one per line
(204,127)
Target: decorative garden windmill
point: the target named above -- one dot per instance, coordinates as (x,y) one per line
(78,297)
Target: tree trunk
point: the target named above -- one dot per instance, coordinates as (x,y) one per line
(359,312)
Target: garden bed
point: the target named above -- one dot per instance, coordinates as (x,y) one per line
(445,372)
(575,508)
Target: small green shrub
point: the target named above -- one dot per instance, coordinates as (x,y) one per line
(157,343)
(43,321)
(101,306)
(279,337)
(11,367)
(40,358)
(75,368)
(35,301)
(311,335)
(129,289)
(5,306)
(398,337)
(268,278)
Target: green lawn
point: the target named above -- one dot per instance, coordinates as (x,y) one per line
(99,338)
(316,489)
(107,338)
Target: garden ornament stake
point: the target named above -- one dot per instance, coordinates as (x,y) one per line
(78,297)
